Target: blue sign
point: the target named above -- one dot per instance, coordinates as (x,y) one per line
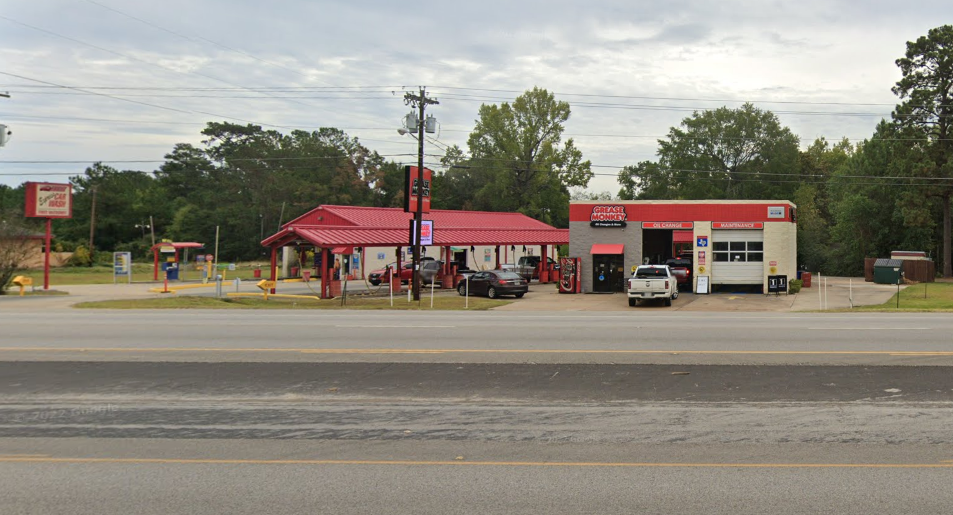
(380,255)
(702,241)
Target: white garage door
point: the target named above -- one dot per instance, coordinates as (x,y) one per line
(737,257)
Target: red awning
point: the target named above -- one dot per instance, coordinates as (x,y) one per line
(607,248)
(342,250)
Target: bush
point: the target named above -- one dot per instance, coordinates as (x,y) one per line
(794,285)
(80,257)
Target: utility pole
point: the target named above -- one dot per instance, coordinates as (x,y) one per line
(420,102)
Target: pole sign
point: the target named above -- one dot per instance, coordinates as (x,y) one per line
(49,200)
(426,233)
(417,187)
(122,266)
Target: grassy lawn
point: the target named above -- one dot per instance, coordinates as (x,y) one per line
(447,302)
(938,297)
(141,272)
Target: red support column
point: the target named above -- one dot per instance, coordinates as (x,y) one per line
(274,266)
(327,275)
(544,265)
(155,264)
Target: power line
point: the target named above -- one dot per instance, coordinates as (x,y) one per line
(133,58)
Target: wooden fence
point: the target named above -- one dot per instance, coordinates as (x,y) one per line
(921,271)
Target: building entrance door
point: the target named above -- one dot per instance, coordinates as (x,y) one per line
(607,273)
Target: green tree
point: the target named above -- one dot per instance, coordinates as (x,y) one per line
(518,149)
(742,153)
(926,113)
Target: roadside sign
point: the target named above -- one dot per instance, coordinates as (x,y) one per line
(122,266)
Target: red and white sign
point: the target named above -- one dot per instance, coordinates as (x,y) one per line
(772,263)
(737,225)
(608,216)
(416,187)
(668,225)
(49,200)
(701,257)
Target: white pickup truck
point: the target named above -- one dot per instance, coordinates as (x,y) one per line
(652,282)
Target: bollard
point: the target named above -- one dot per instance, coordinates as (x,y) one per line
(218,286)
(238,284)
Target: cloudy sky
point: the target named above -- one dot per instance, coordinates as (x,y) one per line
(122,82)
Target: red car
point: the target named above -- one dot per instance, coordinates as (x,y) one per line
(429,270)
(682,270)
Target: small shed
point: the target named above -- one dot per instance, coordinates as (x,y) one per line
(887,271)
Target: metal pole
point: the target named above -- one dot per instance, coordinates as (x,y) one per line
(215,257)
(431,293)
(820,292)
(46,256)
(419,213)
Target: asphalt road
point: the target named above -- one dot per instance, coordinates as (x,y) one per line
(541,337)
(117,412)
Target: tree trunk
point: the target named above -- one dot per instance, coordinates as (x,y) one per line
(947,261)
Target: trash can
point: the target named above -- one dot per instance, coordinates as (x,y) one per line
(805,279)
(306,275)
(172,272)
(256,273)
(887,271)
(294,271)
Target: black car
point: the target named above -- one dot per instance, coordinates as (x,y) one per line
(494,283)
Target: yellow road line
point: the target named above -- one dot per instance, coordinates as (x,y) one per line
(581,464)
(478,351)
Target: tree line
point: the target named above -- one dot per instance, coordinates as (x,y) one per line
(890,191)
(855,200)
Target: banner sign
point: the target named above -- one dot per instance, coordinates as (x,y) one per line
(49,200)
(607,216)
(426,233)
(668,225)
(776,212)
(416,187)
(737,225)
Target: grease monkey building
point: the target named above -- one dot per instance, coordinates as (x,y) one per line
(730,242)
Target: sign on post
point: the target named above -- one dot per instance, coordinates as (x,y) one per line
(122,266)
(426,233)
(417,188)
(49,200)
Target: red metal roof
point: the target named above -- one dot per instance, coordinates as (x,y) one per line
(383,227)
(393,217)
(358,236)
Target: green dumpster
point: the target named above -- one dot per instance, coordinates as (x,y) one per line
(887,271)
